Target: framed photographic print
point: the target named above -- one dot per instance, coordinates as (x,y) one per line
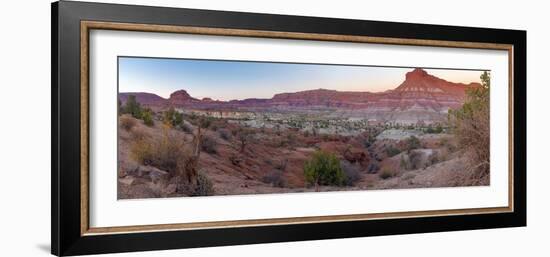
(178,128)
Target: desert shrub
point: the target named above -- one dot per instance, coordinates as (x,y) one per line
(204,186)
(166,154)
(193,116)
(275,178)
(235,159)
(324,169)
(411,161)
(143,151)
(373,168)
(209,145)
(139,134)
(127,123)
(147,117)
(119,108)
(446,143)
(366,142)
(351,172)
(214,126)
(281,142)
(434,158)
(386,173)
(281,165)
(173,117)
(431,130)
(206,122)
(470,126)
(133,107)
(415,160)
(413,143)
(225,134)
(187,128)
(245,136)
(392,151)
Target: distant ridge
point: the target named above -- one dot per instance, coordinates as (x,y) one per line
(420,97)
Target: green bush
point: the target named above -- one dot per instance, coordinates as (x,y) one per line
(202,121)
(429,130)
(437,130)
(173,117)
(324,169)
(133,107)
(471,126)
(413,143)
(392,151)
(147,117)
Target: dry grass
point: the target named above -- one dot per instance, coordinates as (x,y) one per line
(477,172)
(204,186)
(411,160)
(209,145)
(127,122)
(167,154)
(139,134)
(386,173)
(171,153)
(275,178)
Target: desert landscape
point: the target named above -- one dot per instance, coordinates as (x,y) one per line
(424,132)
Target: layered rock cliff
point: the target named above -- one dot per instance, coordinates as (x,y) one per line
(421,97)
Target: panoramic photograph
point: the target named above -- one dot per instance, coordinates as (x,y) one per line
(190,127)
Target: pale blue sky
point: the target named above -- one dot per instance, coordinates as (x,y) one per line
(227,80)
